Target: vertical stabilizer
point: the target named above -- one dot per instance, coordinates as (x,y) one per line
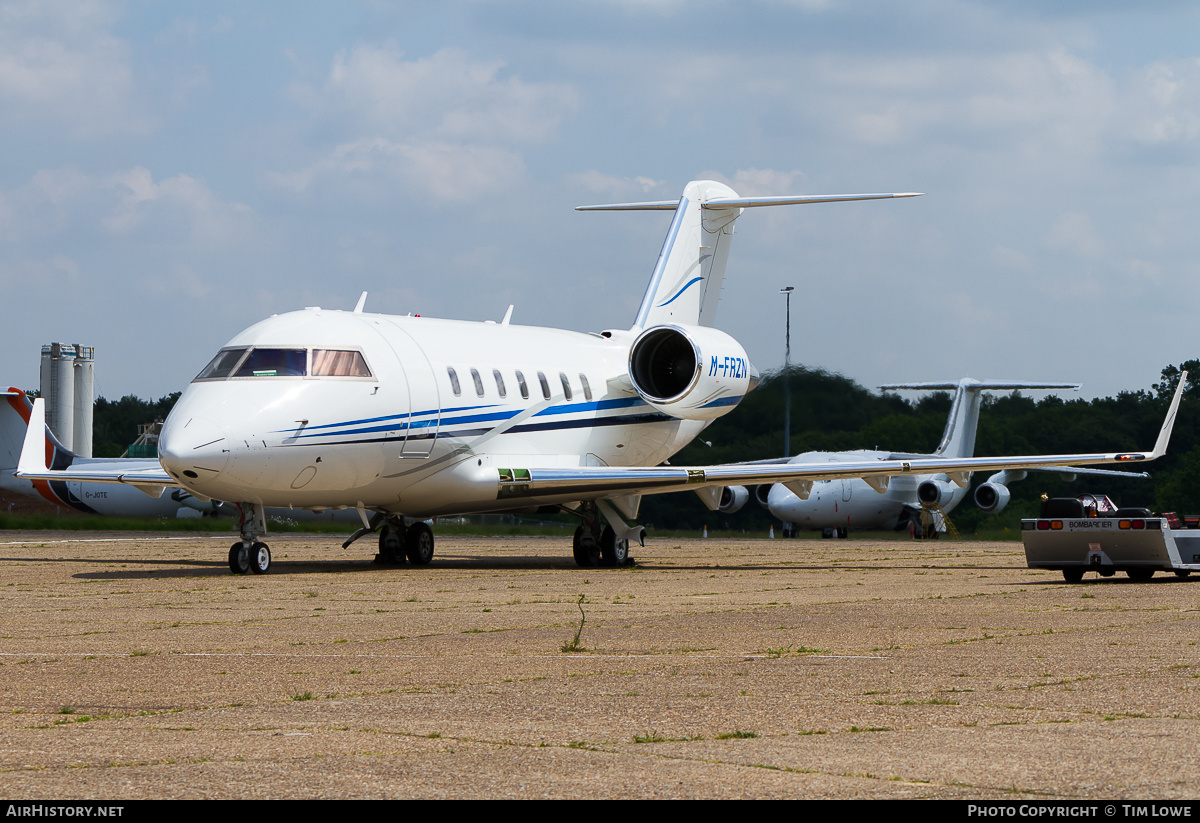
(15,411)
(686,284)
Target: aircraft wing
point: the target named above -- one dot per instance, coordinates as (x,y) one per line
(588,482)
(145,473)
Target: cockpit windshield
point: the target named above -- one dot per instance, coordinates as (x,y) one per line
(274,363)
(285,362)
(222,365)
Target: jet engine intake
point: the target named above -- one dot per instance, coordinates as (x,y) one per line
(761,493)
(690,372)
(991,497)
(733,498)
(936,492)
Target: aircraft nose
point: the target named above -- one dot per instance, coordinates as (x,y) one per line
(193,448)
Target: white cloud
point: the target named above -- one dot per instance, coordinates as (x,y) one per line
(180,209)
(447,96)
(59,65)
(448,125)
(447,171)
(1075,233)
(613,185)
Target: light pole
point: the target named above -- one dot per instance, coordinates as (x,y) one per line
(787,365)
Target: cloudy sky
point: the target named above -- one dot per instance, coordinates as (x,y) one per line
(175,171)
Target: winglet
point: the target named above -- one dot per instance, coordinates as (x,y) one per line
(1164,435)
(33,450)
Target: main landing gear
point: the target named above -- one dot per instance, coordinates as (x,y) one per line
(597,545)
(399,543)
(250,554)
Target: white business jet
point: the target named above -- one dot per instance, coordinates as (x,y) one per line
(836,506)
(408,418)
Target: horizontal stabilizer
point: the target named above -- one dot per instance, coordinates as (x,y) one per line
(747,202)
(979,385)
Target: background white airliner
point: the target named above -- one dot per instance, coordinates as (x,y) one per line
(411,417)
(108,499)
(836,506)
(91,498)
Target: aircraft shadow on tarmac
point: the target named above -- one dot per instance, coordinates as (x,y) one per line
(142,567)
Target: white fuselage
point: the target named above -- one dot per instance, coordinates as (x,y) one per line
(412,438)
(851,503)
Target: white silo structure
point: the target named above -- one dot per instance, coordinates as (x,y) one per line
(67,385)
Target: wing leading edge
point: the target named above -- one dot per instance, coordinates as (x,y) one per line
(594,482)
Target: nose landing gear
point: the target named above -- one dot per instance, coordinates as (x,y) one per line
(250,554)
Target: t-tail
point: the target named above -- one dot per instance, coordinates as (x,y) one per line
(958,439)
(685,286)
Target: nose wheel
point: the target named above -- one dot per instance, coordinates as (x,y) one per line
(250,554)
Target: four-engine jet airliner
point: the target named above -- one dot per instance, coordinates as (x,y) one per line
(836,506)
(412,417)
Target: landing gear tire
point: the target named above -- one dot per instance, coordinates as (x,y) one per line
(1106,571)
(613,552)
(827,533)
(1073,575)
(843,532)
(239,558)
(1182,572)
(391,545)
(260,558)
(1139,574)
(418,544)
(585,548)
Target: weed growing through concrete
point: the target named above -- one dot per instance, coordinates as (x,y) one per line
(573,646)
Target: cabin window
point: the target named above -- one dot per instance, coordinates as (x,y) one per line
(499,382)
(339,363)
(478,382)
(274,363)
(545,385)
(522,386)
(222,365)
(587,389)
(566,385)
(457,389)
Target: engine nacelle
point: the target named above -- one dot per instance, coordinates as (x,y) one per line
(761,493)
(991,497)
(203,506)
(690,372)
(939,492)
(733,498)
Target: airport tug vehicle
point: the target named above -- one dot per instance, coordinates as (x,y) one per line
(1090,533)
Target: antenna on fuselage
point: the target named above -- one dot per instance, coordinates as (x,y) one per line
(362,301)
